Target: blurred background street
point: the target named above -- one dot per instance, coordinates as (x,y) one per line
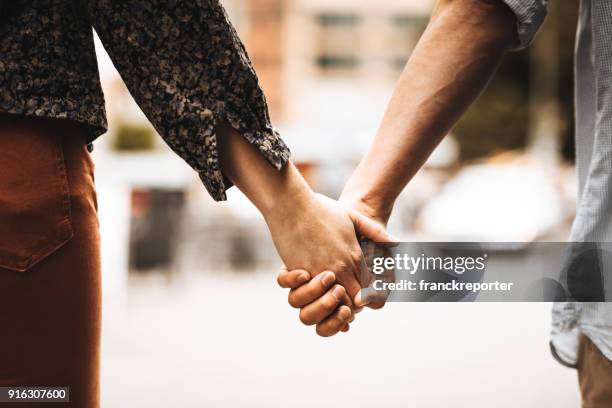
(192,313)
(231,341)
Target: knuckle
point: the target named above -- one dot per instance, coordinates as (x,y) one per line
(377,306)
(320,285)
(293,300)
(330,301)
(280,280)
(339,267)
(305,318)
(354,289)
(323,331)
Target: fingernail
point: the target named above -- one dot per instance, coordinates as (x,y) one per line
(344,313)
(359,301)
(303,278)
(338,292)
(327,279)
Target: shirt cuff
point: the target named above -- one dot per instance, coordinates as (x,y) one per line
(265,139)
(530,15)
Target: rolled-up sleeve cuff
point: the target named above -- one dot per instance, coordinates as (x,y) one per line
(530,15)
(265,139)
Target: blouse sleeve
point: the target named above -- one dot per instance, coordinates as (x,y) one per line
(185,66)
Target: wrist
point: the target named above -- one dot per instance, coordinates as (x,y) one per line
(372,207)
(291,198)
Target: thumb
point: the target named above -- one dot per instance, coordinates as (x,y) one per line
(369,228)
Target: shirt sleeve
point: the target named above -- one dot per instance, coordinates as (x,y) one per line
(185,66)
(530,15)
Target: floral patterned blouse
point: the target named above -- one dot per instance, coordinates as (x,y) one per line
(181,60)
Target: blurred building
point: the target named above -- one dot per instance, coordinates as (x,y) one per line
(363,40)
(327,67)
(261,24)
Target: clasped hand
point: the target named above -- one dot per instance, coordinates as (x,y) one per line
(324,264)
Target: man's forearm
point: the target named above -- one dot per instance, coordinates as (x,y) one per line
(452,63)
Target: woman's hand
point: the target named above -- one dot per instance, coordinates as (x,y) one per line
(318,234)
(321,300)
(314,295)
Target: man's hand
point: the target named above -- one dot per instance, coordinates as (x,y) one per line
(457,55)
(368,296)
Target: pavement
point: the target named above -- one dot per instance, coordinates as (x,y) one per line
(230,340)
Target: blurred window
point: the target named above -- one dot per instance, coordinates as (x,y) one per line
(338,42)
(331,62)
(331,19)
(403,36)
(154,228)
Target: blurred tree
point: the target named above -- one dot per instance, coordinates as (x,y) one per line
(503,116)
(499,118)
(134,137)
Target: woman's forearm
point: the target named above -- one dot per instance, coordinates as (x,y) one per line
(309,233)
(270,190)
(452,63)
